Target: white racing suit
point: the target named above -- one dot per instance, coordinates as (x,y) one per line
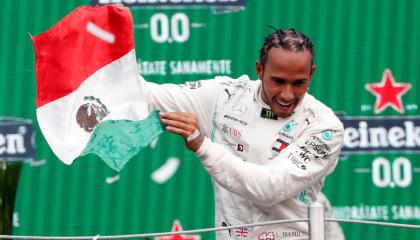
(264,168)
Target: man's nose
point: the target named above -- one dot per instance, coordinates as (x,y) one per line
(287,93)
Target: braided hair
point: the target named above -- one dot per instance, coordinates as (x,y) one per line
(288,39)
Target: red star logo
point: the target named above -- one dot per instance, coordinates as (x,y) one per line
(388,92)
(176,227)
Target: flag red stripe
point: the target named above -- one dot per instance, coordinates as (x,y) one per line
(67,54)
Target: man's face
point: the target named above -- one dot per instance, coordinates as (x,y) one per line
(285,79)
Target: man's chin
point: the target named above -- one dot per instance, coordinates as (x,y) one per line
(284,113)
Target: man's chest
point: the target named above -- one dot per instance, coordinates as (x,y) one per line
(249,133)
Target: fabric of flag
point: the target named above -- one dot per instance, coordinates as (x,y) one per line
(86,74)
(117,141)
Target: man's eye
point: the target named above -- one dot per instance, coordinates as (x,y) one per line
(278,81)
(298,83)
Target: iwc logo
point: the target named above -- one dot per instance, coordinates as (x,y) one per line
(91,113)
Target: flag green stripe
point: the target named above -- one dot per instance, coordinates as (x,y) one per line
(117,141)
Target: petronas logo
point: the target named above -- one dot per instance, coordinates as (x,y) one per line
(327,134)
(91,113)
(288,127)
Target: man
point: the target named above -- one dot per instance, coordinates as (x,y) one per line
(268,144)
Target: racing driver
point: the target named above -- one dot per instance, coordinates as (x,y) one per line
(268,144)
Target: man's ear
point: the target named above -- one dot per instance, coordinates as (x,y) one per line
(313,68)
(311,73)
(260,69)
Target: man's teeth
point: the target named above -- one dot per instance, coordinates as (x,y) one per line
(284,104)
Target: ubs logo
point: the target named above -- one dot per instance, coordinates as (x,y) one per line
(231,131)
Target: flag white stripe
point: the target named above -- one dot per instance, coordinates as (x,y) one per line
(116,85)
(100,33)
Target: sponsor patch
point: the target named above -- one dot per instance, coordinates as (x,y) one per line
(307,155)
(239,109)
(228,93)
(227,142)
(236,146)
(242,232)
(296,161)
(224,224)
(279,145)
(282,134)
(327,134)
(235,119)
(237,82)
(289,126)
(267,113)
(191,84)
(294,234)
(267,236)
(231,130)
(319,147)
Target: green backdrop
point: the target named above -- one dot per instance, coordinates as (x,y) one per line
(378,177)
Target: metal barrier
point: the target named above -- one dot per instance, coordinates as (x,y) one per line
(316,223)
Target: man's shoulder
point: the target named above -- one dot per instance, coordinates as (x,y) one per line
(321,112)
(242,82)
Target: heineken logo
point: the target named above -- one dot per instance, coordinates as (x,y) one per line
(91,113)
(388,92)
(373,134)
(16,138)
(385,134)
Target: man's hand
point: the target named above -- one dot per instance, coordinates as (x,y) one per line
(186,125)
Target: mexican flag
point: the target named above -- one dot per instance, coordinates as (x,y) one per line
(89,98)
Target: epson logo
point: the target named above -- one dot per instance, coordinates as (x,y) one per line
(170,2)
(381,134)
